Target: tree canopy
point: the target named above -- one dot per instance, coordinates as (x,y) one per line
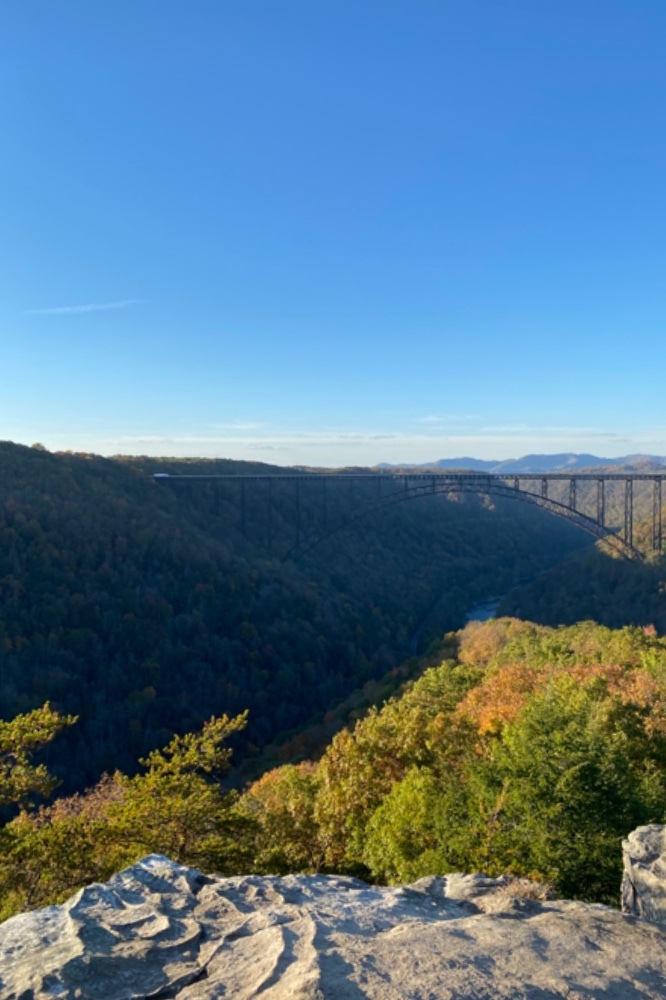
(528,750)
(534,753)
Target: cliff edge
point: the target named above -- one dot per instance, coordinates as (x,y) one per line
(160,930)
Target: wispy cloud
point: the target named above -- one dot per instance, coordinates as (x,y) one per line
(87,308)
(238,425)
(544,431)
(447,418)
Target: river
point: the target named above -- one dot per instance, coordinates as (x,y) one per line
(481,612)
(484,610)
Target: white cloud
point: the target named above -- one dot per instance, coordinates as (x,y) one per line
(88,308)
(340,446)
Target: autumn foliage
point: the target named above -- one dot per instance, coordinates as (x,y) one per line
(532,752)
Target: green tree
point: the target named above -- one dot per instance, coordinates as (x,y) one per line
(360,768)
(421,828)
(176,807)
(20,738)
(573,774)
(282,804)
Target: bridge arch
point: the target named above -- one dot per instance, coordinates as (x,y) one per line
(482,487)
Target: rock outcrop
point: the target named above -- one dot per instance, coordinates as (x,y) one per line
(159,930)
(644,879)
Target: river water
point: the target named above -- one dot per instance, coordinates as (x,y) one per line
(483,611)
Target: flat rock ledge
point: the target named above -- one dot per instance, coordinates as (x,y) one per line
(160,930)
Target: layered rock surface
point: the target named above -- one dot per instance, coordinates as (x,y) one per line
(163,931)
(644,879)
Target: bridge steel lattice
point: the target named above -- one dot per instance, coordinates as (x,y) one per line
(581,498)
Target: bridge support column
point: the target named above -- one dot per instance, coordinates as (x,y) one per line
(544,488)
(657,516)
(601,502)
(629,511)
(572,493)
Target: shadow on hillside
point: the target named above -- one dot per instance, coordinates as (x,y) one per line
(596,586)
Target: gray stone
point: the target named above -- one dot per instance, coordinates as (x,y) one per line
(644,878)
(159,930)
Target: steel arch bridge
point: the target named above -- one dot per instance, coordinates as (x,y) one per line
(580,498)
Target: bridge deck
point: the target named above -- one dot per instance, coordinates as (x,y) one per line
(457,476)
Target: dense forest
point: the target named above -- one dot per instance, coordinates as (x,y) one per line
(142,609)
(524,750)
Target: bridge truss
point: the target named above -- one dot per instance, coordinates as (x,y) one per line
(581,498)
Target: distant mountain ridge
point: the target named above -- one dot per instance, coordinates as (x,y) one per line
(564,462)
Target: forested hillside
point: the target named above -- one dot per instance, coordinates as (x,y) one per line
(524,750)
(595,585)
(528,750)
(143,610)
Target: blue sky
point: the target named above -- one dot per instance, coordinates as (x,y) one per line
(335,232)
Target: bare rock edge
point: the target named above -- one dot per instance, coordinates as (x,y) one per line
(161,930)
